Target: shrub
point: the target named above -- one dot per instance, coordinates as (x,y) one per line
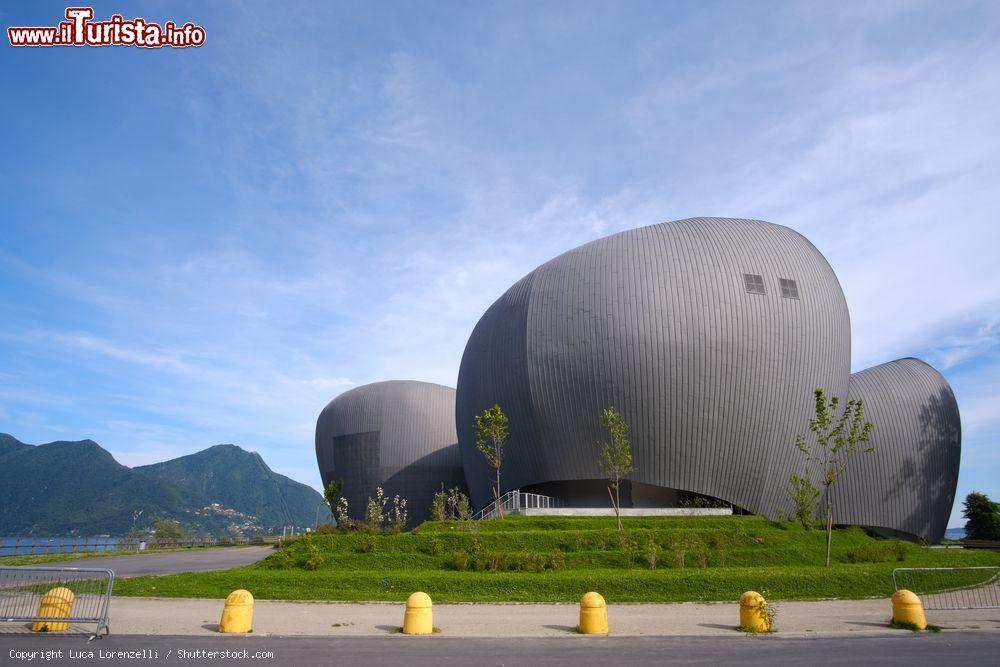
(438,511)
(702,502)
(435,546)
(399,515)
(878,552)
(463,509)
(493,561)
(652,551)
(460,561)
(366,545)
(451,505)
(309,556)
(375,511)
(627,548)
(343,518)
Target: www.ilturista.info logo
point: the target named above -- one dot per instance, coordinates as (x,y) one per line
(80,30)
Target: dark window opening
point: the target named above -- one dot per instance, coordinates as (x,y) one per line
(789,289)
(754,283)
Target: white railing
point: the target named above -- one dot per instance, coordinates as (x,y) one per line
(514,501)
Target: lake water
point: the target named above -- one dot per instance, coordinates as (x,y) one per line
(10,546)
(955,533)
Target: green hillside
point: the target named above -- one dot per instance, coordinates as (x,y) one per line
(541,559)
(232,477)
(78,488)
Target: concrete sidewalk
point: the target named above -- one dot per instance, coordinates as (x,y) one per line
(162,616)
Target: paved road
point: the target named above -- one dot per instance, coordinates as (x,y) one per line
(188,560)
(952,649)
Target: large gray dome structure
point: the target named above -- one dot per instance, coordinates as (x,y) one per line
(709,335)
(399,435)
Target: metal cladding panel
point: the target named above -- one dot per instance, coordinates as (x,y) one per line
(399,435)
(908,483)
(657,322)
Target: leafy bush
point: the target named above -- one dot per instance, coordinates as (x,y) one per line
(702,502)
(451,505)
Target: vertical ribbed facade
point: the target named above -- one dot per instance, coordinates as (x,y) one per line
(908,483)
(658,323)
(709,335)
(399,435)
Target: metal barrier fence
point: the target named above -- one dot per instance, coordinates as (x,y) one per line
(512,501)
(947,588)
(69,594)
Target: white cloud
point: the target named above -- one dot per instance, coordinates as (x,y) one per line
(380,205)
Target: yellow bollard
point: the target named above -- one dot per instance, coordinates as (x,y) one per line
(753,612)
(57,603)
(906,608)
(417,620)
(593,615)
(237,615)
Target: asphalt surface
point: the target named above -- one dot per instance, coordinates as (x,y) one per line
(187,560)
(946,648)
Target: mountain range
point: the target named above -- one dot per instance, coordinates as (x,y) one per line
(78,488)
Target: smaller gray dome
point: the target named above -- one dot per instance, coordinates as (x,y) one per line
(399,435)
(907,485)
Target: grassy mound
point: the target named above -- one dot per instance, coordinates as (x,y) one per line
(557,559)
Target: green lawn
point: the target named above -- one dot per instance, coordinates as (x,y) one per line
(556,559)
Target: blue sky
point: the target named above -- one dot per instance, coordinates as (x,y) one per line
(207,245)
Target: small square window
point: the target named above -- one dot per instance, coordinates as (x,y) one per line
(789,289)
(754,283)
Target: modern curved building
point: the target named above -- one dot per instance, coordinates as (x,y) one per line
(399,435)
(907,485)
(709,335)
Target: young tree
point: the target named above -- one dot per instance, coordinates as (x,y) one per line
(982,517)
(838,438)
(166,529)
(491,432)
(616,457)
(439,505)
(332,494)
(450,505)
